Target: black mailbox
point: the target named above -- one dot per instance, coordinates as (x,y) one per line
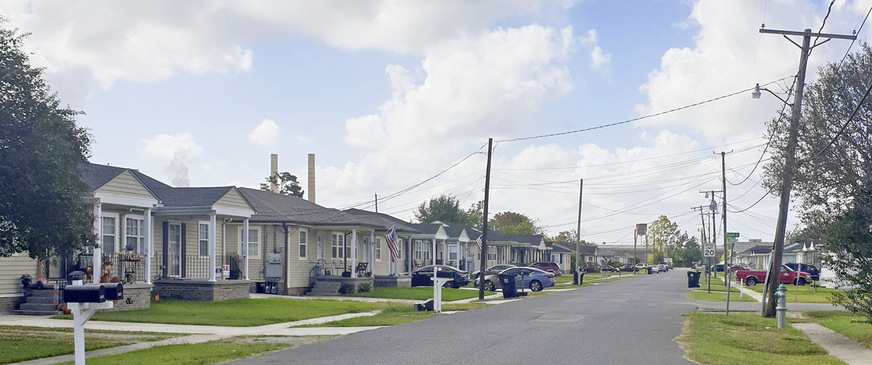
(114,291)
(89,293)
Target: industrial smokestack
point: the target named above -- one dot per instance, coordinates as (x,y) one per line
(273,172)
(312,177)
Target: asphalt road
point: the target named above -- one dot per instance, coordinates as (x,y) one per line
(625,322)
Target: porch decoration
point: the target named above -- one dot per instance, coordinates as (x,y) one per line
(25,281)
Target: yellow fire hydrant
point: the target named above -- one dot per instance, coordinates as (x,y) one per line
(781,308)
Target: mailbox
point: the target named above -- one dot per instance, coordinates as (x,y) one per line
(113,291)
(89,293)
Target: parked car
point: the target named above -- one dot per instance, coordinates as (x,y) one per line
(666,265)
(530,277)
(788,276)
(810,269)
(489,282)
(608,268)
(628,267)
(422,276)
(640,266)
(661,267)
(551,267)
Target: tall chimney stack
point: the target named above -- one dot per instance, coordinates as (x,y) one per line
(311,179)
(273,172)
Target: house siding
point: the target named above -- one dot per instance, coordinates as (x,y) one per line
(11,269)
(233,200)
(125,185)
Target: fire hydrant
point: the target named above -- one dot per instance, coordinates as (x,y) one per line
(781,308)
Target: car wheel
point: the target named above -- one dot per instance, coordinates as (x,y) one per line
(751,281)
(800,281)
(535,285)
(489,285)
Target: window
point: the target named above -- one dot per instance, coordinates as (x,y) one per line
(399,247)
(203,239)
(253,241)
(418,250)
(303,243)
(109,234)
(134,235)
(338,242)
(452,252)
(378,249)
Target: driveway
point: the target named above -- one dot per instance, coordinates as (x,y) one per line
(623,322)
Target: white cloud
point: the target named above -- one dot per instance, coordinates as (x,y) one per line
(175,153)
(265,134)
(598,59)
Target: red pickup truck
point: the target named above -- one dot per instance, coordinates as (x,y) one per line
(788,276)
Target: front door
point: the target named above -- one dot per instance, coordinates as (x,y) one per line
(174,250)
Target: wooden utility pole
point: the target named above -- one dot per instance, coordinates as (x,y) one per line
(483,261)
(789,170)
(578,229)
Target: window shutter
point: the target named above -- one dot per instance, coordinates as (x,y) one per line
(165,250)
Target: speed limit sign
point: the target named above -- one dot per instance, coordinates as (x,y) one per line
(708,250)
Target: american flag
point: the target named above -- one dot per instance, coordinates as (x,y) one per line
(391,238)
(478,242)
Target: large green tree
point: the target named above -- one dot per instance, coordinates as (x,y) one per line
(444,209)
(666,240)
(834,171)
(514,223)
(42,210)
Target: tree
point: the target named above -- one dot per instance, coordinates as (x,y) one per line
(665,238)
(444,208)
(42,211)
(834,171)
(691,252)
(286,183)
(514,223)
(565,237)
(474,215)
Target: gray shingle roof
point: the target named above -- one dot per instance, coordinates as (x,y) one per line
(382,220)
(273,207)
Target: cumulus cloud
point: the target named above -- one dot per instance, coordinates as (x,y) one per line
(265,134)
(175,152)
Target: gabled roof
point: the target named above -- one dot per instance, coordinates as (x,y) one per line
(429,231)
(382,220)
(278,208)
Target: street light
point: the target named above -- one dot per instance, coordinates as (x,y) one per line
(756,94)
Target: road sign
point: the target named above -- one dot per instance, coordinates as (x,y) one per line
(732,234)
(708,250)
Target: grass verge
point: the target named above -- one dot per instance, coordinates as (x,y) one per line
(29,343)
(397,314)
(417,293)
(214,352)
(802,294)
(235,313)
(748,339)
(714,296)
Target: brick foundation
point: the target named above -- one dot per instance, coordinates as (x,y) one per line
(387,281)
(201,291)
(136,296)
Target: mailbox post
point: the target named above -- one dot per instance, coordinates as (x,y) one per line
(83,301)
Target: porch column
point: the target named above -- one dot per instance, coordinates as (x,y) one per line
(212,223)
(353,253)
(433,258)
(149,245)
(372,252)
(97,260)
(244,249)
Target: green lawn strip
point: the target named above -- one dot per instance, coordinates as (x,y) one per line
(802,293)
(715,296)
(237,312)
(22,343)
(213,352)
(850,325)
(417,293)
(397,314)
(748,339)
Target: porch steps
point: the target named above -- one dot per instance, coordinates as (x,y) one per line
(39,303)
(325,288)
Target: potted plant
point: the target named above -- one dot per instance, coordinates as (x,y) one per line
(25,281)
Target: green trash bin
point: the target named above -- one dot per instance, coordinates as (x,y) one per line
(693,279)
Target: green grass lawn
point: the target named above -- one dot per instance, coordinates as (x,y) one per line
(237,312)
(418,293)
(850,325)
(214,352)
(28,343)
(717,296)
(802,294)
(748,339)
(396,314)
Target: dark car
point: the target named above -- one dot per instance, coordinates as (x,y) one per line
(489,282)
(628,268)
(551,267)
(424,275)
(608,268)
(810,269)
(530,277)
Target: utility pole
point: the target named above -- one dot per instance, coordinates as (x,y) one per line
(376,203)
(789,170)
(578,228)
(728,259)
(702,244)
(483,261)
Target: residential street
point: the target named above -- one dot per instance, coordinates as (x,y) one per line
(624,322)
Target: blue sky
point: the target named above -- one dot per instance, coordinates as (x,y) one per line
(388,94)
